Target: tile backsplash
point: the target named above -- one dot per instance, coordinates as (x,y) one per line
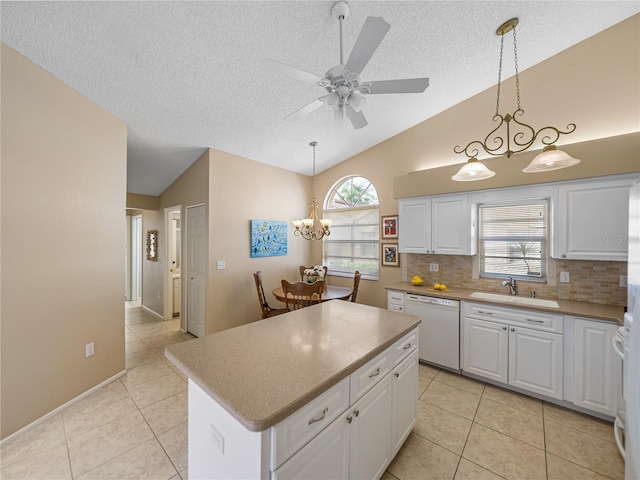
(590,281)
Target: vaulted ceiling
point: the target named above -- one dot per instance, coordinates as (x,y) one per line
(186,76)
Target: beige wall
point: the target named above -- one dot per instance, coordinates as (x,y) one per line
(242,190)
(63,231)
(593,84)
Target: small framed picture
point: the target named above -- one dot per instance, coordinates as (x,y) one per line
(390,256)
(389,226)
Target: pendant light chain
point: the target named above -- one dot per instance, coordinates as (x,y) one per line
(515,60)
(499,74)
(313,180)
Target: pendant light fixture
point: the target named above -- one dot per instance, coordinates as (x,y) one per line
(312,228)
(522,137)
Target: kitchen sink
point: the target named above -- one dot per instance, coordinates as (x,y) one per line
(535,302)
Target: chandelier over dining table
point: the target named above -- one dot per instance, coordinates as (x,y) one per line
(312,228)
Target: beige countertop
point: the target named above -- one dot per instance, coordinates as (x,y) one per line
(598,311)
(264,371)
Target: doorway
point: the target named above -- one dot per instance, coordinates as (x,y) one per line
(173,262)
(133,259)
(196,268)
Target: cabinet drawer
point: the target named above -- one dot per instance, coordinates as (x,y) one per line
(363,379)
(403,347)
(395,298)
(538,320)
(296,431)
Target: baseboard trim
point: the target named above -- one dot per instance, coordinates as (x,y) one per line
(59,409)
(155,314)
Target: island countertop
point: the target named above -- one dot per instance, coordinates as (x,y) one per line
(264,371)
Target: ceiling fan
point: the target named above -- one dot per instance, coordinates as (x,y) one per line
(343,81)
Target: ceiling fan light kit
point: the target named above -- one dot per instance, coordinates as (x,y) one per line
(523,136)
(342,82)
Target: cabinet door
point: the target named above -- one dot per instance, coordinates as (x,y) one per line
(404,402)
(597,369)
(536,361)
(371,433)
(593,221)
(452,226)
(485,349)
(414,222)
(326,456)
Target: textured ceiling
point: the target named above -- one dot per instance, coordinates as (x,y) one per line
(185,76)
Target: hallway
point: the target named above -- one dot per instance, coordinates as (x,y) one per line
(135,427)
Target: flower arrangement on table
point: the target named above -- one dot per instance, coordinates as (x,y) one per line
(314,273)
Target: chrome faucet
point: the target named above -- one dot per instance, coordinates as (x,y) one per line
(512,285)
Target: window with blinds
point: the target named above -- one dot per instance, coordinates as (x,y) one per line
(353,245)
(513,240)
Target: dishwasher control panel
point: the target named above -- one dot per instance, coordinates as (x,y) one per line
(445,302)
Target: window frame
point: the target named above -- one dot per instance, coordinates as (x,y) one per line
(375,243)
(546,242)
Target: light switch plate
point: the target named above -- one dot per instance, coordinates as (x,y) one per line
(433,267)
(623,280)
(564,277)
(221,265)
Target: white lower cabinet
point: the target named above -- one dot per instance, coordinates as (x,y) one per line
(597,368)
(361,442)
(404,390)
(503,351)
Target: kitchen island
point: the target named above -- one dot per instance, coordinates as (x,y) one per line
(329,390)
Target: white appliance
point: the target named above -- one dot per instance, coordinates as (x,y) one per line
(439,338)
(632,341)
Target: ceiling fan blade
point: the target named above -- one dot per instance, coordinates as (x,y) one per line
(272,66)
(307,109)
(407,85)
(357,118)
(372,33)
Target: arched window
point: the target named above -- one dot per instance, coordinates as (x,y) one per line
(352,204)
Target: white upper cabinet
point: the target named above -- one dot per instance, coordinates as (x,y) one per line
(591,221)
(441,224)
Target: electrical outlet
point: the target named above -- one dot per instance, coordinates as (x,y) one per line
(565,277)
(217,439)
(433,267)
(88,349)
(623,280)
(220,265)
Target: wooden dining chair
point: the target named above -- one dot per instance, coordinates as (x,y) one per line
(356,284)
(267,311)
(301,294)
(303,268)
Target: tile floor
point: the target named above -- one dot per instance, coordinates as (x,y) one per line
(136,427)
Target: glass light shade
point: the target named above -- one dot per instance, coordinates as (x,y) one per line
(357,101)
(326,222)
(473,170)
(551,159)
(308,222)
(297,224)
(331,101)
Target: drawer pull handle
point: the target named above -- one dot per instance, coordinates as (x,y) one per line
(534,321)
(349,419)
(504,327)
(485,313)
(513,329)
(319,419)
(356,413)
(408,345)
(376,373)
(397,374)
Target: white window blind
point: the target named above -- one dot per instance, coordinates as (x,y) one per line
(513,240)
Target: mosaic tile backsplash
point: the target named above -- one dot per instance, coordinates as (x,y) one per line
(590,281)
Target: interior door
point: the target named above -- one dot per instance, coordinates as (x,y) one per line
(196,269)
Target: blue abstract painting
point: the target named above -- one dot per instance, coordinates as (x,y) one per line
(268,238)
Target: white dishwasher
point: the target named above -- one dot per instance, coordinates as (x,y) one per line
(439,338)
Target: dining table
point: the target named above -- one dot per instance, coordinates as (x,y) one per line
(329,292)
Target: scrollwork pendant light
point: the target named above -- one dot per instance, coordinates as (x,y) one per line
(517,141)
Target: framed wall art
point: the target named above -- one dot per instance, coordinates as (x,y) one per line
(389,226)
(390,255)
(268,238)
(152,245)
